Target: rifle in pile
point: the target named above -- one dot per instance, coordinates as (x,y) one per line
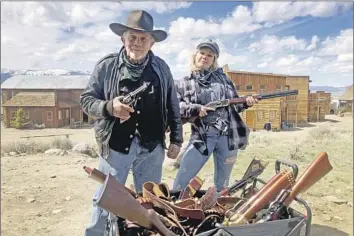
(157,210)
(281,183)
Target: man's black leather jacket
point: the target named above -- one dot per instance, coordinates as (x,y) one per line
(103,87)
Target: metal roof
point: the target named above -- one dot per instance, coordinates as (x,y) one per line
(46,82)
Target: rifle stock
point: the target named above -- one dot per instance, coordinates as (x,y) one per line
(314,172)
(119,200)
(100,177)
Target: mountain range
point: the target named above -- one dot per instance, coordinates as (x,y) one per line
(6,73)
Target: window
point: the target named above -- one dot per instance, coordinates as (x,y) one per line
(249,87)
(27,115)
(59,115)
(49,115)
(13,115)
(237,87)
(260,115)
(67,113)
(263,88)
(278,87)
(272,115)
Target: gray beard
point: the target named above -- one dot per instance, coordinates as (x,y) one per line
(134,61)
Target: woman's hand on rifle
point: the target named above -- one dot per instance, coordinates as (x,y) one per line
(204,111)
(250,100)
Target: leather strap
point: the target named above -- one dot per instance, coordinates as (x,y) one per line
(179,208)
(193,186)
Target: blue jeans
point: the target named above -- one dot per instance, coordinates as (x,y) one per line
(146,167)
(193,161)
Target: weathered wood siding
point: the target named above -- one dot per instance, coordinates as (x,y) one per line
(257,83)
(326,100)
(299,111)
(247,83)
(317,107)
(38,115)
(266,110)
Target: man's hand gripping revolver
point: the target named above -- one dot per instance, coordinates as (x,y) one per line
(122,109)
(122,105)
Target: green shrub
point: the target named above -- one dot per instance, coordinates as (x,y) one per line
(20,121)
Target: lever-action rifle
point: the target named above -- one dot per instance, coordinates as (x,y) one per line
(242,100)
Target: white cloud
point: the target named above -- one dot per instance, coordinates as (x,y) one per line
(33,32)
(338,45)
(240,21)
(271,44)
(287,61)
(159,7)
(345,57)
(55,14)
(278,12)
(75,35)
(337,68)
(262,65)
(313,44)
(310,62)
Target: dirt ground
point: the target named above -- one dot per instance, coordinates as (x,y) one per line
(51,195)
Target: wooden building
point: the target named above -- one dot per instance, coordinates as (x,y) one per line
(319,106)
(50,100)
(285,111)
(295,111)
(346,100)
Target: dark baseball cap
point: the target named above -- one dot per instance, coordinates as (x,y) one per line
(213,46)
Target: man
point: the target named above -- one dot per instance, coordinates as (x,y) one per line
(132,137)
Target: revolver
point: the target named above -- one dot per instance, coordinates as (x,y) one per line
(131,97)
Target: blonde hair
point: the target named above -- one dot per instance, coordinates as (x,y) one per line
(194,67)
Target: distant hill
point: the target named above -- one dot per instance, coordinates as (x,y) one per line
(327,88)
(6,73)
(336,92)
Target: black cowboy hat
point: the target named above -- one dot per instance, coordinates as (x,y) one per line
(139,20)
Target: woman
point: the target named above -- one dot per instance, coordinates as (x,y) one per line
(220,131)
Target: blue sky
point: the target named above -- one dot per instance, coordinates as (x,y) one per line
(295,38)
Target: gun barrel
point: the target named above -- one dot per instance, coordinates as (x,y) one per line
(279,94)
(129,98)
